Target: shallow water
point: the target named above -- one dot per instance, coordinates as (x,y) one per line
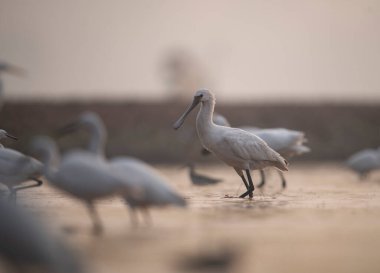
(325,221)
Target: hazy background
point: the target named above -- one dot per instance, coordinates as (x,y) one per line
(304,65)
(243,50)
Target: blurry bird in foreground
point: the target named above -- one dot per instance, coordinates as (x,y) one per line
(287,143)
(27,246)
(199,179)
(364,162)
(16,168)
(221,261)
(147,187)
(79,174)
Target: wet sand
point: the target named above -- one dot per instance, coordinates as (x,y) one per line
(325,221)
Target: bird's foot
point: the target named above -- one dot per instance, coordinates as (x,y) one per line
(248,192)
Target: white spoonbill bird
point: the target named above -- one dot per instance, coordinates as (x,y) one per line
(287,143)
(79,174)
(364,162)
(26,245)
(236,147)
(16,168)
(149,188)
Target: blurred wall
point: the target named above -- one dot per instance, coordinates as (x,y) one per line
(251,50)
(145,130)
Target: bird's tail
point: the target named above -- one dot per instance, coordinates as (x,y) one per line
(301,149)
(281,164)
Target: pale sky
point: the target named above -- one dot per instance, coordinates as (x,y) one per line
(306,50)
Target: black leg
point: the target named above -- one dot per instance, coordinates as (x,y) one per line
(38,184)
(250,187)
(97,226)
(14,190)
(283,180)
(246,185)
(262,183)
(245,181)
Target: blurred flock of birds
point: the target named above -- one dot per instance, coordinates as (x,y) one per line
(87,175)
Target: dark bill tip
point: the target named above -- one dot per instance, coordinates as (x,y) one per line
(178,124)
(11,137)
(181,120)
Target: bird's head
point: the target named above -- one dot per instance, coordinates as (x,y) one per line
(202,96)
(4,134)
(86,120)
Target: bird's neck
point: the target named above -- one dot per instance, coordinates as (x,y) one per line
(97,140)
(204,118)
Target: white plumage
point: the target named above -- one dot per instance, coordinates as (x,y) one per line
(29,246)
(236,147)
(286,142)
(16,168)
(364,162)
(79,174)
(147,187)
(154,190)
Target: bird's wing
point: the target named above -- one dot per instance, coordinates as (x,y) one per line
(137,173)
(87,176)
(10,160)
(279,138)
(300,149)
(247,146)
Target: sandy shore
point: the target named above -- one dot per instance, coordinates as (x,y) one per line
(325,221)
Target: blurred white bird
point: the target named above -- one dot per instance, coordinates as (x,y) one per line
(199,179)
(287,143)
(237,148)
(364,162)
(79,174)
(16,168)
(4,135)
(27,246)
(148,187)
